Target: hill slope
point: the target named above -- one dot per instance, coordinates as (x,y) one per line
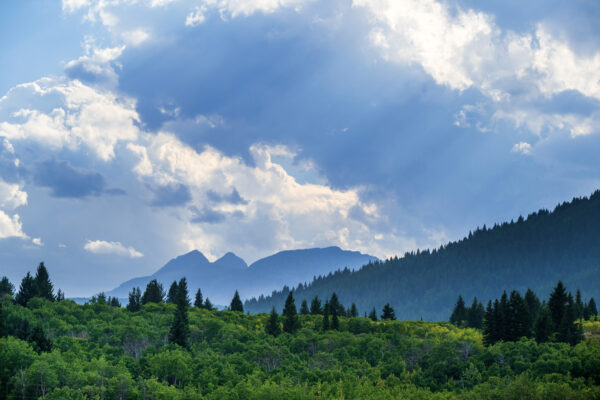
(534,252)
(218,280)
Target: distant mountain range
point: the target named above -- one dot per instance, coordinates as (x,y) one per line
(218,280)
(533,252)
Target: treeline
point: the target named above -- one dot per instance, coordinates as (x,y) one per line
(533,252)
(515,316)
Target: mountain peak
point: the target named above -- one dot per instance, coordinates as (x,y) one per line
(230,260)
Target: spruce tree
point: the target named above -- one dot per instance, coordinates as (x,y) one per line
(27,290)
(475,314)
(43,286)
(334,310)
(172,295)
(578,305)
(568,331)
(198,300)
(315,306)
(518,318)
(273,328)
(325,325)
(60,295)
(180,330)
(6,288)
(290,316)
(557,304)
(388,312)
(459,313)
(591,308)
(533,305)
(236,303)
(489,325)
(353,311)
(207,304)
(373,315)
(543,325)
(39,340)
(304,308)
(135,300)
(154,293)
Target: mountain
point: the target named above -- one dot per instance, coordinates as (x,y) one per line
(533,252)
(218,280)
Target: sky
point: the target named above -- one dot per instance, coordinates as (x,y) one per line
(133,131)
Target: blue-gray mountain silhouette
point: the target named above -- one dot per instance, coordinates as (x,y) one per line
(218,280)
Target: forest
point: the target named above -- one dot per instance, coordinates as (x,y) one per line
(171,345)
(533,252)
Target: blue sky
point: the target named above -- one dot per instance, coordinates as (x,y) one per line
(135,130)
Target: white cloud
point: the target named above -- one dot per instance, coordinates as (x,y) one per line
(11,196)
(196,16)
(522,147)
(235,8)
(98,64)
(116,248)
(11,226)
(37,241)
(70,114)
(465,49)
(136,37)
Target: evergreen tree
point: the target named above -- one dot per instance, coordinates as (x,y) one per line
(172,295)
(154,293)
(198,300)
(373,315)
(325,325)
(578,305)
(533,305)
(489,325)
(315,306)
(591,308)
(236,303)
(99,299)
(180,330)
(207,304)
(475,314)
(273,328)
(388,312)
(6,288)
(353,311)
(459,314)
(60,295)
(39,340)
(334,309)
(543,325)
(135,300)
(3,327)
(290,321)
(27,290)
(304,308)
(557,304)
(568,331)
(43,286)
(114,302)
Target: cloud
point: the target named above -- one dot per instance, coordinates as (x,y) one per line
(171,195)
(37,241)
(60,113)
(464,49)
(64,180)
(522,147)
(98,65)
(11,196)
(196,17)
(136,37)
(11,226)
(116,248)
(232,198)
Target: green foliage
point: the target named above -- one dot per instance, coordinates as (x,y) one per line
(180,330)
(6,288)
(135,300)
(290,317)
(154,293)
(27,290)
(43,286)
(198,301)
(236,303)
(388,312)
(304,310)
(273,327)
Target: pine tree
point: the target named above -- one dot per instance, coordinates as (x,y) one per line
(325,326)
(334,309)
(172,295)
(459,313)
(557,304)
(578,305)
(6,288)
(315,306)
(60,295)
(475,314)
(533,305)
(99,299)
(236,303)
(304,308)
(273,328)
(27,290)
(543,325)
(3,327)
(43,286)
(198,300)
(290,321)
(114,302)
(208,305)
(489,325)
(568,331)
(388,312)
(154,293)
(135,300)
(39,340)
(353,311)
(591,308)
(180,330)
(518,318)
(373,315)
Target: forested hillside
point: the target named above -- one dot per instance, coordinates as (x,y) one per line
(533,252)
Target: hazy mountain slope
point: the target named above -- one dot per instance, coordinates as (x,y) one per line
(533,252)
(219,280)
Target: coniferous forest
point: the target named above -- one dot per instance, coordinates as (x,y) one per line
(533,252)
(161,345)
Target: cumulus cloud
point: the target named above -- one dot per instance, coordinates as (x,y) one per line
(37,241)
(11,226)
(116,248)
(61,113)
(465,49)
(98,65)
(522,147)
(11,196)
(136,36)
